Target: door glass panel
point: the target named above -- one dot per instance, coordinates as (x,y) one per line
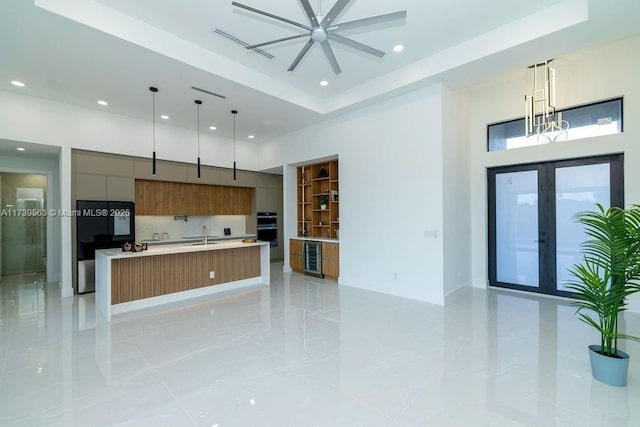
(517,252)
(578,188)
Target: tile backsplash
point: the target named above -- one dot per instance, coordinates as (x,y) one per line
(146,225)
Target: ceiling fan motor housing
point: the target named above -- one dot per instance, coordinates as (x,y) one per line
(319,35)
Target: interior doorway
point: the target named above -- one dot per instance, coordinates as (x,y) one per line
(533,237)
(23,224)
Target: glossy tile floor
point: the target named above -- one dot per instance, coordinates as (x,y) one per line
(303,352)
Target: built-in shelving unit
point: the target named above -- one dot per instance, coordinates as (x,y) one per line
(318,200)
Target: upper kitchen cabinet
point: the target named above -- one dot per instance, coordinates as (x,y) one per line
(89,162)
(175,198)
(208,175)
(243,178)
(165,171)
(267,180)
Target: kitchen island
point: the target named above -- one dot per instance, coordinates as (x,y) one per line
(127,281)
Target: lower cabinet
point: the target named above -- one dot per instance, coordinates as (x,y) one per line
(330,258)
(295,255)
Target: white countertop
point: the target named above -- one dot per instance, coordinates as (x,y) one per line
(178,248)
(317,239)
(188,239)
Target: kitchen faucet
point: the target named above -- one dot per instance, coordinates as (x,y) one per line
(204,233)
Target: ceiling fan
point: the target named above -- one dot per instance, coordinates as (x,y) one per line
(321,29)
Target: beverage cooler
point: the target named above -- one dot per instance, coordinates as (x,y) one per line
(312,258)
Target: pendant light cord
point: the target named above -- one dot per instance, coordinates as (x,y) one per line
(153,101)
(234,112)
(198,104)
(153,120)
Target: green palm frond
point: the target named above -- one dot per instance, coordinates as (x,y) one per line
(609,272)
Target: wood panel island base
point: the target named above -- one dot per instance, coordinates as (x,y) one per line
(127,281)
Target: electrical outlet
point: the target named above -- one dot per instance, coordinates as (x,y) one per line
(212,275)
(431,233)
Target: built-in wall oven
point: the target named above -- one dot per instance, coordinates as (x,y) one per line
(268,227)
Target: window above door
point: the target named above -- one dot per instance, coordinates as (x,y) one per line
(600,118)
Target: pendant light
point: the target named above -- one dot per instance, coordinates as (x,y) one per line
(153,96)
(234,112)
(198,103)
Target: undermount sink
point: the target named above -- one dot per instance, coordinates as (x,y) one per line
(203,244)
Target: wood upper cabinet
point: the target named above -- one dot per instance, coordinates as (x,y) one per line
(176,198)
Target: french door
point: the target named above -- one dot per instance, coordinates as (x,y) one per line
(533,238)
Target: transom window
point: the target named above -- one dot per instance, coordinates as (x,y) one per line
(601,118)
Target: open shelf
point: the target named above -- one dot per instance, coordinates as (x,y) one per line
(317,181)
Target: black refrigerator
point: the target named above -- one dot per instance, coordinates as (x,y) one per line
(100,225)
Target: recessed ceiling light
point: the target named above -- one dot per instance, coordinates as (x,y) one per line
(324,83)
(164,116)
(20,149)
(251,136)
(17,83)
(398,48)
(101,102)
(213,127)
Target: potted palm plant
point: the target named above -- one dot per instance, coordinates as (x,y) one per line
(608,274)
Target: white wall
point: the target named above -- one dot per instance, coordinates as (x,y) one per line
(456,234)
(586,76)
(31,119)
(390,167)
(36,120)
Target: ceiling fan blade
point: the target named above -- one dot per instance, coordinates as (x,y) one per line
(379,19)
(334,12)
(271,15)
(297,36)
(302,53)
(326,47)
(310,13)
(356,45)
